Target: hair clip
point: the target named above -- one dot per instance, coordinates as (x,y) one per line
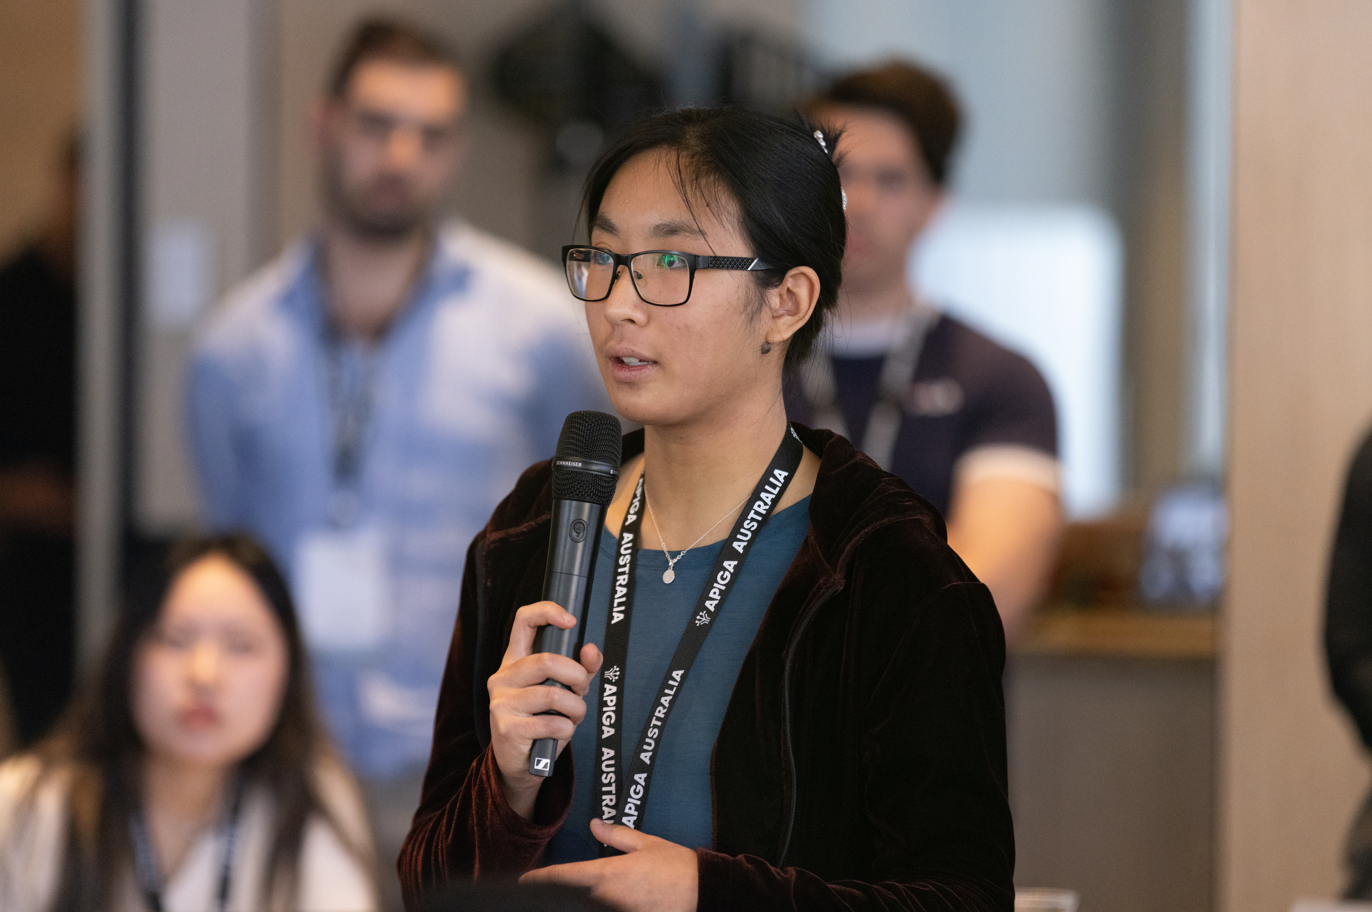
(819,135)
(845,198)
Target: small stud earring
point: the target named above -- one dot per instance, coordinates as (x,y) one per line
(766,348)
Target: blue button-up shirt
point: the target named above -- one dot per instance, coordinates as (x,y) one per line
(470,385)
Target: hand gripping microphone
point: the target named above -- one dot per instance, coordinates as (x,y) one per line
(585,471)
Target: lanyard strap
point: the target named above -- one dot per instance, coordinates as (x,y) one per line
(897,373)
(149,870)
(625,805)
(351,402)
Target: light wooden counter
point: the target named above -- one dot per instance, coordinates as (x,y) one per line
(1122,633)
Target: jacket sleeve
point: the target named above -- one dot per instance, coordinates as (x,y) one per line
(930,793)
(464,828)
(1348,606)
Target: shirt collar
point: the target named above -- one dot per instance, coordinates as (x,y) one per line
(446,273)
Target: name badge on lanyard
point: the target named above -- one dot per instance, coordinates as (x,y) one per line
(343,588)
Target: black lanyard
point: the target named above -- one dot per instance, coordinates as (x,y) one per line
(351,405)
(625,805)
(897,373)
(149,870)
(350,411)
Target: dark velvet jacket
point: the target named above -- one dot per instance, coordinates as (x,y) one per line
(861,761)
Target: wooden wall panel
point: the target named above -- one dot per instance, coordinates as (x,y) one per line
(40,83)
(1301,381)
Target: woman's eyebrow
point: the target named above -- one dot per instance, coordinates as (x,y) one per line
(667,229)
(676,228)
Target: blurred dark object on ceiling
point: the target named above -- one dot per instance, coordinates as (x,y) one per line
(569,73)
(764,73)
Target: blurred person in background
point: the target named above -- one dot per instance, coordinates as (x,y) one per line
(193,774)
(1348,641)
(967,423)
(38,462)
(363,402)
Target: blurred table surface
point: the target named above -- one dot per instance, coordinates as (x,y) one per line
(1121,632)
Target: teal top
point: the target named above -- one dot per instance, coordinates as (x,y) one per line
(678,808)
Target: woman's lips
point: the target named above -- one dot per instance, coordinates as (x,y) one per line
(199,717)
(630,367)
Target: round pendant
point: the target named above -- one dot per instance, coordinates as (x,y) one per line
(668,575)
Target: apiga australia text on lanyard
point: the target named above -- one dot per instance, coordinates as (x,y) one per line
(625,805)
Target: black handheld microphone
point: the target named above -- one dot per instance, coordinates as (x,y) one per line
(585,471)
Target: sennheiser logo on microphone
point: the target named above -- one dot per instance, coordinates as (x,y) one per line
(587,465)
(541,763)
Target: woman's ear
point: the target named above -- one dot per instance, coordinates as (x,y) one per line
(790,304)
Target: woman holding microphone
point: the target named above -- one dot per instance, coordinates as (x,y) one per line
(819,726)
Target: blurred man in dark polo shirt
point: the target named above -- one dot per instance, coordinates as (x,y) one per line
(969,424)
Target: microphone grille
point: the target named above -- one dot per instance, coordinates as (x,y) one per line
(591,436)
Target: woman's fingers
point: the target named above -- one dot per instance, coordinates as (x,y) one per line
(535,699)
(525,709)
(591,658)
(533,670)
(522,730)
(528,619)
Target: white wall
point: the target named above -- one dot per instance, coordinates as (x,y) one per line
(1045,280)
(204,174)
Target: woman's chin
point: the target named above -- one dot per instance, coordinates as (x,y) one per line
(638,405)
(205,750)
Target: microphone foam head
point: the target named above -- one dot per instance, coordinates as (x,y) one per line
(590,437)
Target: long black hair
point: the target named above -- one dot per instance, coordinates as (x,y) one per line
(780,176)
(99,745)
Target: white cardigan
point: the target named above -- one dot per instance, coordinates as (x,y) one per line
(330,879)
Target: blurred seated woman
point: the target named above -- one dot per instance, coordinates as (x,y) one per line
(194,773)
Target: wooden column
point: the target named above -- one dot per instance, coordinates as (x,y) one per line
(1301,380)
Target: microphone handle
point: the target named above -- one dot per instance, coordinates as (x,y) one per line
(573,544)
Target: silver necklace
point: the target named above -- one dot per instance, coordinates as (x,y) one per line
(670,574)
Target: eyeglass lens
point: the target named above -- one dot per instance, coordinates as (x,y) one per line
(661,278)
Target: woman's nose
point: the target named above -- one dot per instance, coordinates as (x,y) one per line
(205,663)
(624,304)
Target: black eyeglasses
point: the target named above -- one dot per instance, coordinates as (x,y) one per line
(661,277)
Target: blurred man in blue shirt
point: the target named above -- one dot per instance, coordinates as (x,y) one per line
(362,402)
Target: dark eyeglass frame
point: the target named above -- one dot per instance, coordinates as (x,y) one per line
(694,261)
